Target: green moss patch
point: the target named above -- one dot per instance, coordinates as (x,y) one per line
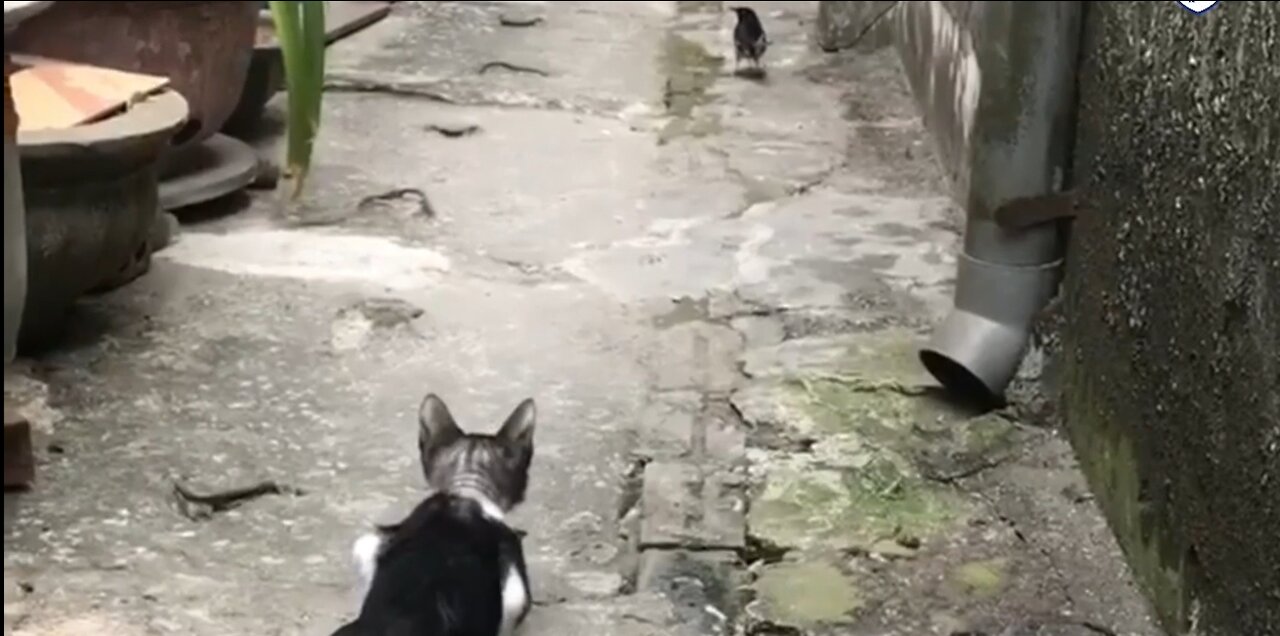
(806,594)
(812,508)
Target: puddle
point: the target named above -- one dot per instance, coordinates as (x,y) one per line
(690,71)
(688,7)
(757,190)
(684,309)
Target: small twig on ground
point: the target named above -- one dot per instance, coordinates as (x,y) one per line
(872,24)
(519,22)
(199,507)
(488,66)
(358,85)
(424,205)
(638,618)
(453,132)
(950,478)
(318,220)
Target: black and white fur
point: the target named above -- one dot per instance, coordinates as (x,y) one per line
(453,567)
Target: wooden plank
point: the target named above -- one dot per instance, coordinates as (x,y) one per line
(19,460)
(53,94)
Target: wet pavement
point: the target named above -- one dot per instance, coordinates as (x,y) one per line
(659,252)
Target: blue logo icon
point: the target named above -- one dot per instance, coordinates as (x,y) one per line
(1198,8)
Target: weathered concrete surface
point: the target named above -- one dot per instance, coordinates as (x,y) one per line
(620,239)
(922,516)
(1171,385)
(843,24)
(988,80)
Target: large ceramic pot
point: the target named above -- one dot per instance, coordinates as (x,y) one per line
(15,227)
(204,48)
(92,199)
(15,221)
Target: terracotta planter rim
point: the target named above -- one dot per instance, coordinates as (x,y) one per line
(150,122)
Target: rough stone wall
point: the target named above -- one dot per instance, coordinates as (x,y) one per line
(1172,302)
(844,24)
(1169,374)
(984,77)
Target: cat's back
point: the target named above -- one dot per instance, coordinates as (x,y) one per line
(440,572)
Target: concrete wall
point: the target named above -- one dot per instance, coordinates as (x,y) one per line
(1172,303)
(1000,118)
(1170,374)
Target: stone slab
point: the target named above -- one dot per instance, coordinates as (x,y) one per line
(684,505)
(703,586)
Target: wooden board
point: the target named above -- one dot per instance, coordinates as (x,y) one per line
(52,94)
(19,461)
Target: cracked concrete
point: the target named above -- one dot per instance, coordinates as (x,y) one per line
(672,260)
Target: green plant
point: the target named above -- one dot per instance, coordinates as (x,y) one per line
(300,31)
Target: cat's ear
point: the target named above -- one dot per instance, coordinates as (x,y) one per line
(436,427)
(518,429)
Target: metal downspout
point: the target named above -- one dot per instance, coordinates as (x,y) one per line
(1028,55)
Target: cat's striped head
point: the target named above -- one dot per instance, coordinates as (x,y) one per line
(493,467)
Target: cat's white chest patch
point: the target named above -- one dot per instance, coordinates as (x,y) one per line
(515,600)
(365,554)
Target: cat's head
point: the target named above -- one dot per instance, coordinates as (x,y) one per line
(494,466)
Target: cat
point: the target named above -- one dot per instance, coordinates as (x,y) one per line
(453,567)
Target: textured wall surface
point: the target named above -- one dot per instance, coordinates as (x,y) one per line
(1172,370)
(844,24)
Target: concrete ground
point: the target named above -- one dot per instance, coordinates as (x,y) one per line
(711,284)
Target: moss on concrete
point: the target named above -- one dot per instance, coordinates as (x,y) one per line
(883,411)
(806,594)
(1171,383)
(690,71)
(888,356)
(822,509)
(1109,460)
(943,439)
(980,580)
(882,453)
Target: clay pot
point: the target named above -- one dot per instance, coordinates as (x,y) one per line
(204,48)
(92,201)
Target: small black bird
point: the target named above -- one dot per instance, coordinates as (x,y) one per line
(749,39)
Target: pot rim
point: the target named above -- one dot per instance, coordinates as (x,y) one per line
(152,121)
(16,12)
